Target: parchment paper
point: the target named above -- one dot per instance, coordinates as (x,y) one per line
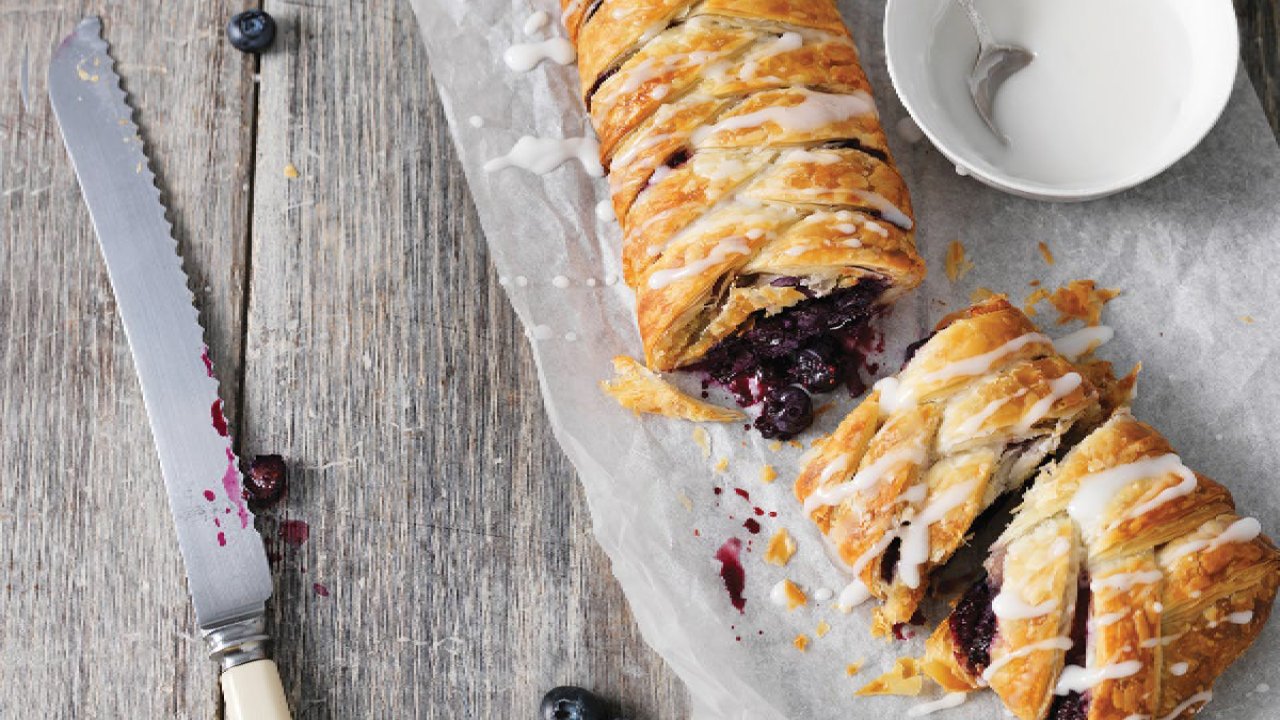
(1193,250)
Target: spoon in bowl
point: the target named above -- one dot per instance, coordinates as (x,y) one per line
(994,65)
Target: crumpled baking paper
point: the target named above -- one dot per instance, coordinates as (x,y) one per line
(1194,251)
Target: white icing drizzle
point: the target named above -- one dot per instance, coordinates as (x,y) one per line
(1096,491)
(1058,389)
(1077,679)
(723,249)
(814,111)
(1102,621)
(946,702)
(1160,641)
(1057,643)
(524,57)
(1242,530)
(1244,617)
(1124,582)
(865,478)
(817,157)
(634,77)
(876,228)
(823,594)
(1082,341)
(476,121)
(536,22)
(1200,697)
(542,155)
(887,210)
(779,593)
(788,42)
(853,595)
(894,396)
(1009,605)
(604,211)
(974,422)
(915,549)
(560,281)
(856,592)
(1179,669)
(980,364)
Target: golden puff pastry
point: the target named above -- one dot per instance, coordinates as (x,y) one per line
(1123,587)
(977,408)
(751,177)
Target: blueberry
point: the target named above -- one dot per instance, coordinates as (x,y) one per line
(787,411)
(251,31)
(266,482)
(815,372)
(573,703)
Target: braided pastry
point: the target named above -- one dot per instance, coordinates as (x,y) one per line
(750,175)
(1124,586)
(971,416)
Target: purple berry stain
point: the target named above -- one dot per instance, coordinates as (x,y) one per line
(208,364)
(295,532)
(222,539)
(208,495)
(219,421)
(732,572)
(752,525)
(231,485)
(320,590)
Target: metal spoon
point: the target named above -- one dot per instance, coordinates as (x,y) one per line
(994,65)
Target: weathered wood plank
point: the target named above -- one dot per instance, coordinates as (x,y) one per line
(94,616)
(384,361)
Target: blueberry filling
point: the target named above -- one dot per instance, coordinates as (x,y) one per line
(812,347)
(853,144)
(677,158)
(595,86)
(973,624)
(914,347)
(1074,705)
(591,11)
(890,560)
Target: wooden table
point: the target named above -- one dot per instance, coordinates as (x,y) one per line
(358,331)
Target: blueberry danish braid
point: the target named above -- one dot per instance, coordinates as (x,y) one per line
(1123,587)
(977,408)
(750,175)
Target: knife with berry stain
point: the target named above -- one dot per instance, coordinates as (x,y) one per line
(226,565)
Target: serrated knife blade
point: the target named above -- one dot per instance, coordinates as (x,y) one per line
(226,565)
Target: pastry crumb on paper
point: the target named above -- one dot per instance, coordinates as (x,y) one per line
(980,294)
(768,474)
(794,596)
(775,445)
(957,264)
(640,390)
(822,629)
(801,642)
(1046,253)
(722,464)
(703,440)
(291,171)
(685,501)
(781,547)
(1247,319)
(853,668)
(1077,300)
(903,678)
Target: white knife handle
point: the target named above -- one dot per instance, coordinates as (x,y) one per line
(252,691)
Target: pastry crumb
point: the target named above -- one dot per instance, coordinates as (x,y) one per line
(1247,319)
(795,444)
(822,410)
(1034,283)
(801,642)
(781,547)
(853,668)
(903,678)
(685,501)
(722,464)
(822,629)
(957,264)
(291,171)
(794,595)
(982,293)
(768,474)
(1077,300)
(775,445)
(640,390)
(1046,253)
(702,440)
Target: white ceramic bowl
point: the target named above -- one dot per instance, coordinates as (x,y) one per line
(1119,90)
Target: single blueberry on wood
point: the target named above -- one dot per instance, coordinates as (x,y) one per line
(573,703)
(266,481)
(251,31)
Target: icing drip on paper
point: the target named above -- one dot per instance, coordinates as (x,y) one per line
(542,155)
(524,57)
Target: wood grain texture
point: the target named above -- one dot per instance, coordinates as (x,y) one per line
(381,358)
(386,364)
(94,617)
